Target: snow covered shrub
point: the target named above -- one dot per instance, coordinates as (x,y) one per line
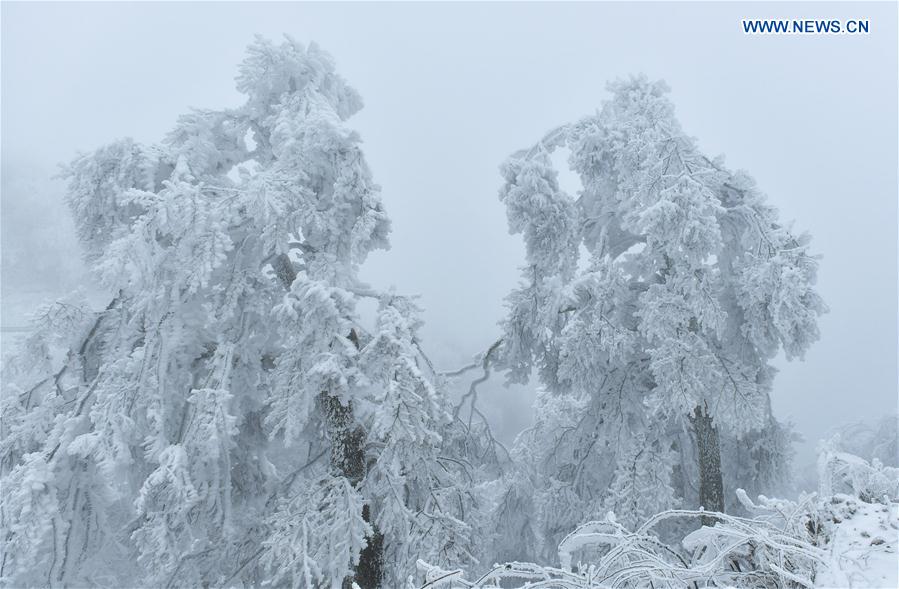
(769,551)
(820,540)
(841,472)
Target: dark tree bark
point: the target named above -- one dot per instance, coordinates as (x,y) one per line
(283,268)
(348,460)
(370,570)
(711,487)
(347,452)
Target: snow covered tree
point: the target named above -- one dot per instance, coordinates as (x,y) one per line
(177,437)
(690,287)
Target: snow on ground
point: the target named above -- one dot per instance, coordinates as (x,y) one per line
(863,545)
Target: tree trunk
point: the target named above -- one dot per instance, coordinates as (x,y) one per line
(711,487)
(347,455)
(370,571)
(348,460)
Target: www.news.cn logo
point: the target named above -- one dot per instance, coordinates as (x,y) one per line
(805,26)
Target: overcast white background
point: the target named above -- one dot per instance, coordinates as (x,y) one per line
(452,89)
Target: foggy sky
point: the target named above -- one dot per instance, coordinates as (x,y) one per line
(451,90)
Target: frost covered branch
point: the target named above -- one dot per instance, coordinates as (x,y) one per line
(735,551)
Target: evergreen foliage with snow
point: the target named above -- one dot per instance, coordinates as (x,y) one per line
(650,307)
(227,419)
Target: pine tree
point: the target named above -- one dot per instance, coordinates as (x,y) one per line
(690,287)
(179,437)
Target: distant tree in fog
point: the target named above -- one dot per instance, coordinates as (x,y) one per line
(37,227)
